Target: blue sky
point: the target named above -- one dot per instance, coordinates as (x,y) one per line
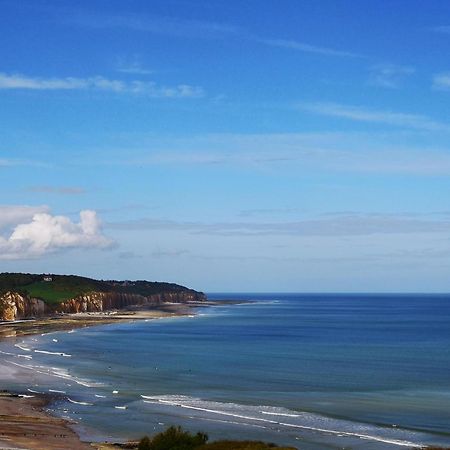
(230,146)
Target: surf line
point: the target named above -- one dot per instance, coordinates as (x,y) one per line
(303,427)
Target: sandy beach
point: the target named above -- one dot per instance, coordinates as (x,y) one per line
(25,425)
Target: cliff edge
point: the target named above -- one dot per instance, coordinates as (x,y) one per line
(36,295)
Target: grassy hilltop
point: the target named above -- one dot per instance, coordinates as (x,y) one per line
(65,287)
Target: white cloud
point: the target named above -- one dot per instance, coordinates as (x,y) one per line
(159,25)
(442,81)
(13,215)
(353,224)
(133,66)
(445,29)
(361,114)
(61,190)
(11,162)
(307,48)
(46,233)
(147,88)
(388,75)
(381,152)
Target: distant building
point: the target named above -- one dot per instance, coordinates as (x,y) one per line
(48,278)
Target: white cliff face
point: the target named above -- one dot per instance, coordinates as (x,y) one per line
(14,306)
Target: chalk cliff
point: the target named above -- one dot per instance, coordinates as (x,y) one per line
(14,306)
(32,295)
(104,301)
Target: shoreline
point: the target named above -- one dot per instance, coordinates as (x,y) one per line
(63,322)
(66,323)
(25,421)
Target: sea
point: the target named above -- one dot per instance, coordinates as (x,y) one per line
(313,371)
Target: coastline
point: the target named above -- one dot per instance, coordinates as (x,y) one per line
(25,421)
(260,421)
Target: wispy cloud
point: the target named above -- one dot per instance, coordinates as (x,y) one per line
(306,48)
(147,88)
(267,212)
(361,114)
(374,152)
(441,81)
(133,66)
(180,27)
(12,162)
(442,29)
(61,190)
(388,75)
(345,225)
(162,25)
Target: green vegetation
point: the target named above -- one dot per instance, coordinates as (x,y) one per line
(242,445)
(65,287)
(175,438)
(57,291)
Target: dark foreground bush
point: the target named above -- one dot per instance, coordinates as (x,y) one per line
(241,445)
(175,438)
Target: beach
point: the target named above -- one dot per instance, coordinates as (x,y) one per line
(25,425)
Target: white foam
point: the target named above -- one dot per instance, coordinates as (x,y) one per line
(34,392)
(301,421)
(80,403)
(7,353)
(55,390)
(53,353)
(25,349)
(268,413)
(58,373)
(120,407)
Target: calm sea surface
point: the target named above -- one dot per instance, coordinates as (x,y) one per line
(314,371)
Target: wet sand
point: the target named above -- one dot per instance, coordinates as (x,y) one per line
(25,425)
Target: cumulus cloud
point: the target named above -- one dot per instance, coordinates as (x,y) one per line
(13,215)
(46,233)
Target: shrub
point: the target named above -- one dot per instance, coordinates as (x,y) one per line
(174,438)
(144,443)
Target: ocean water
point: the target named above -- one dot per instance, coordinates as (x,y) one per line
(313,371)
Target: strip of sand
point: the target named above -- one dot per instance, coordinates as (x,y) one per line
(25,425)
